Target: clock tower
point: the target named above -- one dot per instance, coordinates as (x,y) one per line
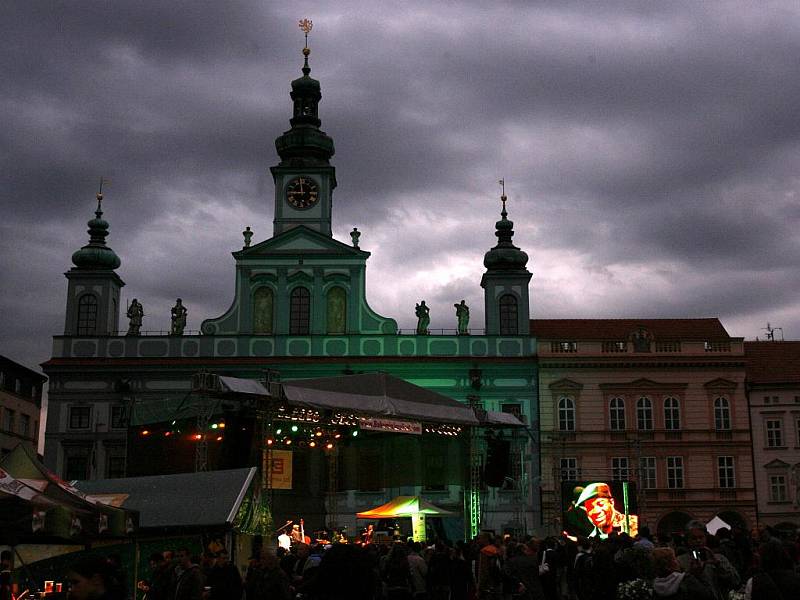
(304,178)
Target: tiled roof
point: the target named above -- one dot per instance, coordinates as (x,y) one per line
(772,362)
(620,329)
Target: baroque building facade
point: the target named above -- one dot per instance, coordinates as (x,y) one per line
(773,384)
(658,402)
(20,405)
(300,309)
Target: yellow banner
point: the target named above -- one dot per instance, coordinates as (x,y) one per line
(281,473)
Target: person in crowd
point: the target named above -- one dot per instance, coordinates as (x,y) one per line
(6,585)
(94,578)
(671,583)
(440,572)
(272,582)
(714,569)
(522,567)
(189,580)
(583,574)
(419,570)
(463,582)
(728,548)
(644,539)
(490,570)
(776,579)
(158,587)
(224,579)
(253,575)
(397,573)
(345,572)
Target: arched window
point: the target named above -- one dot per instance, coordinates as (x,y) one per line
(300,311)
(672,413)
(263,311)
(87,315)
(644,414)
(566,414)
(617,414)
(508,315)
(336,310)
(722,414)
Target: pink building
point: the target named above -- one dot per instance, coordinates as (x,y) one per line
(657,402)
(773,381)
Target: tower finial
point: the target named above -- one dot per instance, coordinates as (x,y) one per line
(99,197)
(306,26)
(503,197)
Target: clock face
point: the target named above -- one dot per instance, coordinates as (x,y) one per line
(302,193)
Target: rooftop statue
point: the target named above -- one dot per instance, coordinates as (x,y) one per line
(462,314)
(179,313)
(135,314)
(423,318)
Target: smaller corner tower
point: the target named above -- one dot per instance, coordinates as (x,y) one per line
(505,282)
(94,287)
(304,178)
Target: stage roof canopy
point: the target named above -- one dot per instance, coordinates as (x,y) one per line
(405,506)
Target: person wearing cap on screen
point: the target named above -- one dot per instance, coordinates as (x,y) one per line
(597,501)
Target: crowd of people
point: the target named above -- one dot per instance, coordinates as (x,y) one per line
(693,565)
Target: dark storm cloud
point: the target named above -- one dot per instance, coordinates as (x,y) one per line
(650,150)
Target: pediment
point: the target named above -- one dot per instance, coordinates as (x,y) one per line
(777,463)
(566,385)
(642,383)
(299,240)
(721,384)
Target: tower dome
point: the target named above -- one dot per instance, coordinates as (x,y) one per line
(505,255)
(96,255)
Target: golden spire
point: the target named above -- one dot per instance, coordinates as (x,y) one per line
(503,197)
(305,26)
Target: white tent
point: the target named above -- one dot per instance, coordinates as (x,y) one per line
(715,524)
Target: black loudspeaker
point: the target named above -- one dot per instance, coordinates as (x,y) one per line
(237,441)
(498,462)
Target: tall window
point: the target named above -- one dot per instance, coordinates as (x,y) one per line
(647,472)
(8,420)
(566,414)
(568,469)
(87,315)
(76,463)
(675,472)
(509,324)
(24,425)
(336,310)
(263,303)
(79,417)
(644,414)
(300,311)
(620,469)
(118,417)
(722,414)
(777,488)
(672,414)
(617,414)
(774,433)
(726,471)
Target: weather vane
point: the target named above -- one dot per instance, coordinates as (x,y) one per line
(305,26)
(99,194)
(503,198)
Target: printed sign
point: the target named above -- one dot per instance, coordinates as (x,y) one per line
(281,472)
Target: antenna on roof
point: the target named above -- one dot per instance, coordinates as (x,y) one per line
(771,332)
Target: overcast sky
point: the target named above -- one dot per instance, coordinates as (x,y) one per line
(651,151)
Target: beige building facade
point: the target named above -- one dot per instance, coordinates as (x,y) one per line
(773,378)
(20,405)
(660,403)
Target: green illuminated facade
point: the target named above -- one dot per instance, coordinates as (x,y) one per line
(300,308)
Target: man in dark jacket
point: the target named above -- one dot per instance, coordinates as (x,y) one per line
(189,579)
(224,579)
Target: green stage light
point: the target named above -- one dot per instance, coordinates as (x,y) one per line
(294,428)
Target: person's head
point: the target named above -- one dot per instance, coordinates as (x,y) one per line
(156,559)
(664,562)
(269,561)
(696,535)
(90,578)
(774,556)
(169,555)
(184,558)
(598,503)
(644,532)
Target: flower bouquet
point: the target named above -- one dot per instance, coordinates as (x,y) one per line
(636,589)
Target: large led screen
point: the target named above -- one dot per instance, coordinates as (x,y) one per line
(598,508)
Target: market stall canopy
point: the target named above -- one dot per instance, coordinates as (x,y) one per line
(182,500)
(405,506)
(40,506)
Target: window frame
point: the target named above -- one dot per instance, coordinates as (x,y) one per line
(644,413)
(722,414)
(775,486)
(620,468)
(568,469)
(567,414)
(73,416)
(616,414)
(88,315)
(726,473)
(300,311)
(670,412)
(508,314)
(675,473)
(773,437)
(648,473)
